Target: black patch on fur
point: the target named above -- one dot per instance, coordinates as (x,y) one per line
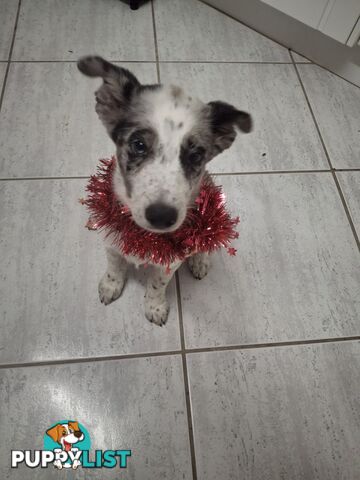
(223,120)
(121,128)
(225,115)
(128,91)
(128,185)
(132,159)
(154,86)
(192,159)
(105,65)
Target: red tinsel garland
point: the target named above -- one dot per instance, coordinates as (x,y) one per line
(207,227)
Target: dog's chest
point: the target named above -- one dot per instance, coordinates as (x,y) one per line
(134,260)
(138,262)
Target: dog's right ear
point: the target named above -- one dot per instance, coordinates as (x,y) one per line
(114,95)
(224,120)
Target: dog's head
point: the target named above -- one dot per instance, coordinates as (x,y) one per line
(164,138)
(66,434)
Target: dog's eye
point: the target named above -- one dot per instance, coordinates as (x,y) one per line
(138,147)
(195,157)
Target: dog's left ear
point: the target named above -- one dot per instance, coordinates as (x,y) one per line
(116,92)
(224,120)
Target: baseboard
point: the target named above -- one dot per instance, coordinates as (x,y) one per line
(310,43)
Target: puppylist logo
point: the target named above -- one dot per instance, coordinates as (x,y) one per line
(67,446)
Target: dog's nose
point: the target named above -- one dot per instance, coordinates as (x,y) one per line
(161,216)
(78,434)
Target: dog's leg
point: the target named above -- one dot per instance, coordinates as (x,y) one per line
(156,306)
(112,283)
(76,464)
(199,265)
(57,463)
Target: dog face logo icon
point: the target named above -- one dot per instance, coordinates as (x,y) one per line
(67,436)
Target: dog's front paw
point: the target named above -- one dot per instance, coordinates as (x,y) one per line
(76,464)
(58,464)
(110,287)
(156,312)
(199,265)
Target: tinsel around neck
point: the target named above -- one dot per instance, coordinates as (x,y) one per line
(207,227)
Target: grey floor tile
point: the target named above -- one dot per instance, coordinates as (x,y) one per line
(336,105)
(8,9)
(296,274)
(2,74)
(52,129)
(299,58)
(350,185)
(192,31)
(50,269)
(135,404)
(66,30)
(287,413)
(284,137)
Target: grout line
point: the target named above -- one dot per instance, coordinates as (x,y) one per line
(157,59)
(104,358)
(352,226)
(186,380)
(10,54)
(183,351)
(311,112)
(269,172)
(275,41)
(160,61)
(221,62)
(256,346)
(11,179)
(75,61)
(213,174)
(291,53)
(347,211)
(155,40)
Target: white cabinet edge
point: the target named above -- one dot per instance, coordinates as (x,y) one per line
(339,19)
(295,35)
(354,37)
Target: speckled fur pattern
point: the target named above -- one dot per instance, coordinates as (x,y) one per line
(164,138)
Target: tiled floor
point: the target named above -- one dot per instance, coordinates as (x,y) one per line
(255,375)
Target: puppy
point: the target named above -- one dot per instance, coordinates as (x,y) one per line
(66,435)
(164,138)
